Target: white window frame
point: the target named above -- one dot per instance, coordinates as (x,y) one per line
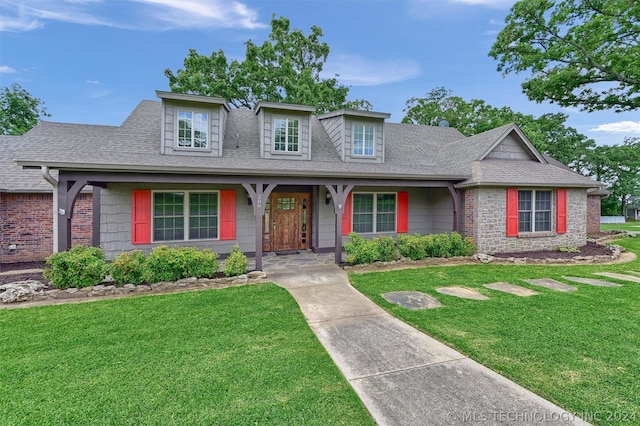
(533,210)
(363,141)
(286,135)
(375,212)
(186,214)
(191,147)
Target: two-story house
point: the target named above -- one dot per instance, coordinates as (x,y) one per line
(190,170)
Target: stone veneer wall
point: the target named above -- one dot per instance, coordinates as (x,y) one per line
(489,220)
(26,220)
(593,214)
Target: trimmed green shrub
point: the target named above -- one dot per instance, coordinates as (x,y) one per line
(173,263)
(461,246)
(360,250)
(128,267)
(412,246)
(236,263)
(77,267)
(387,250)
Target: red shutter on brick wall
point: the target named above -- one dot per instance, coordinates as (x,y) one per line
(141,216)
(228,215)
(403,213)
(346,215)
(512,212)
(561,217)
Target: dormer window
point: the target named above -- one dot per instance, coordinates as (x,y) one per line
(363,140)
(286,135)
(193,129)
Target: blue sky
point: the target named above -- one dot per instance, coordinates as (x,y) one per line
(92,61)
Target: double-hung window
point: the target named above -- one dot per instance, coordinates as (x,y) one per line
(374,212)
(193,129)
(363,140)
(286,135)
(534,211)
(185,216)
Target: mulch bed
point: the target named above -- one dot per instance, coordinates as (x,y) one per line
(590,249)
(19,266)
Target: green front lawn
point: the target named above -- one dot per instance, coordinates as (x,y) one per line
(242,355)
(580,350)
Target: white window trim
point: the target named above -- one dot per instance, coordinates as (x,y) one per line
(177,130)
(552,223)
(353,139)
(187,198)
(286,145)
(375,212)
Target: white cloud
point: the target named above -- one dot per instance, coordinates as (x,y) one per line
(490,3)
(6,69)
(355,71)
(620,127)
(93,82)
(28,15)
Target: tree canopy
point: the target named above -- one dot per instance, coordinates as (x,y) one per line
(285,68)
(581,53)
(19,111)
(548,133)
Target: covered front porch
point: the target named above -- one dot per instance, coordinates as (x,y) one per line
(275,214)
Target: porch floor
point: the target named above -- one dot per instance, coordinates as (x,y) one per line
(303,258)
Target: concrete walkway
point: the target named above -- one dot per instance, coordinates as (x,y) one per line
(403,376)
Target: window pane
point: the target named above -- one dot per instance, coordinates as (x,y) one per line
(203,215)
(543,221)
(524,200)
(358,139)
(184,128)
(293,135)
(362,212)
(385,212)
(368,140)
(200,130)
(543,200)
(524,221)
(280,134)
(168,216)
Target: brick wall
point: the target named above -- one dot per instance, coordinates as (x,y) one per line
(490,217)
(26,220)
(593,214)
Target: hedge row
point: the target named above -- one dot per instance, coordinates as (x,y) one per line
(86,266)
(416,247)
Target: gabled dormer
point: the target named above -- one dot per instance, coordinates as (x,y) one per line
(358,136)
(513,145)
(192,124)
(285,130)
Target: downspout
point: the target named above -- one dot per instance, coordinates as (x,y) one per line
(47,176)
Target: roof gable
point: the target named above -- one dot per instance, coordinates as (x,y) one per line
(512,144)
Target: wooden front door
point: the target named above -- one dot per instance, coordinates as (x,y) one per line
(287,221)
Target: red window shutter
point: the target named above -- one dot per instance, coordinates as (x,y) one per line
(561,219)
(512,212)
(141,216)
(346,216)
(228,215)
(403,212)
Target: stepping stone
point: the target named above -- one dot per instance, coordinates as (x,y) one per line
(551,284)
(591,281)
(511,289)
(462,292)
(619,276)
(412,300)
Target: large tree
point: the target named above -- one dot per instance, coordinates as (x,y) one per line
(548,132)
(619,167)
(285,68)
(19,111)
(581,53)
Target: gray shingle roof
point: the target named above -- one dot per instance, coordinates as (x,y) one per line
(411,151)
(14,178)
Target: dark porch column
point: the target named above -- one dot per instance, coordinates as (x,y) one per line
(68,191)
(456,197)
(339,194)
(259,194)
